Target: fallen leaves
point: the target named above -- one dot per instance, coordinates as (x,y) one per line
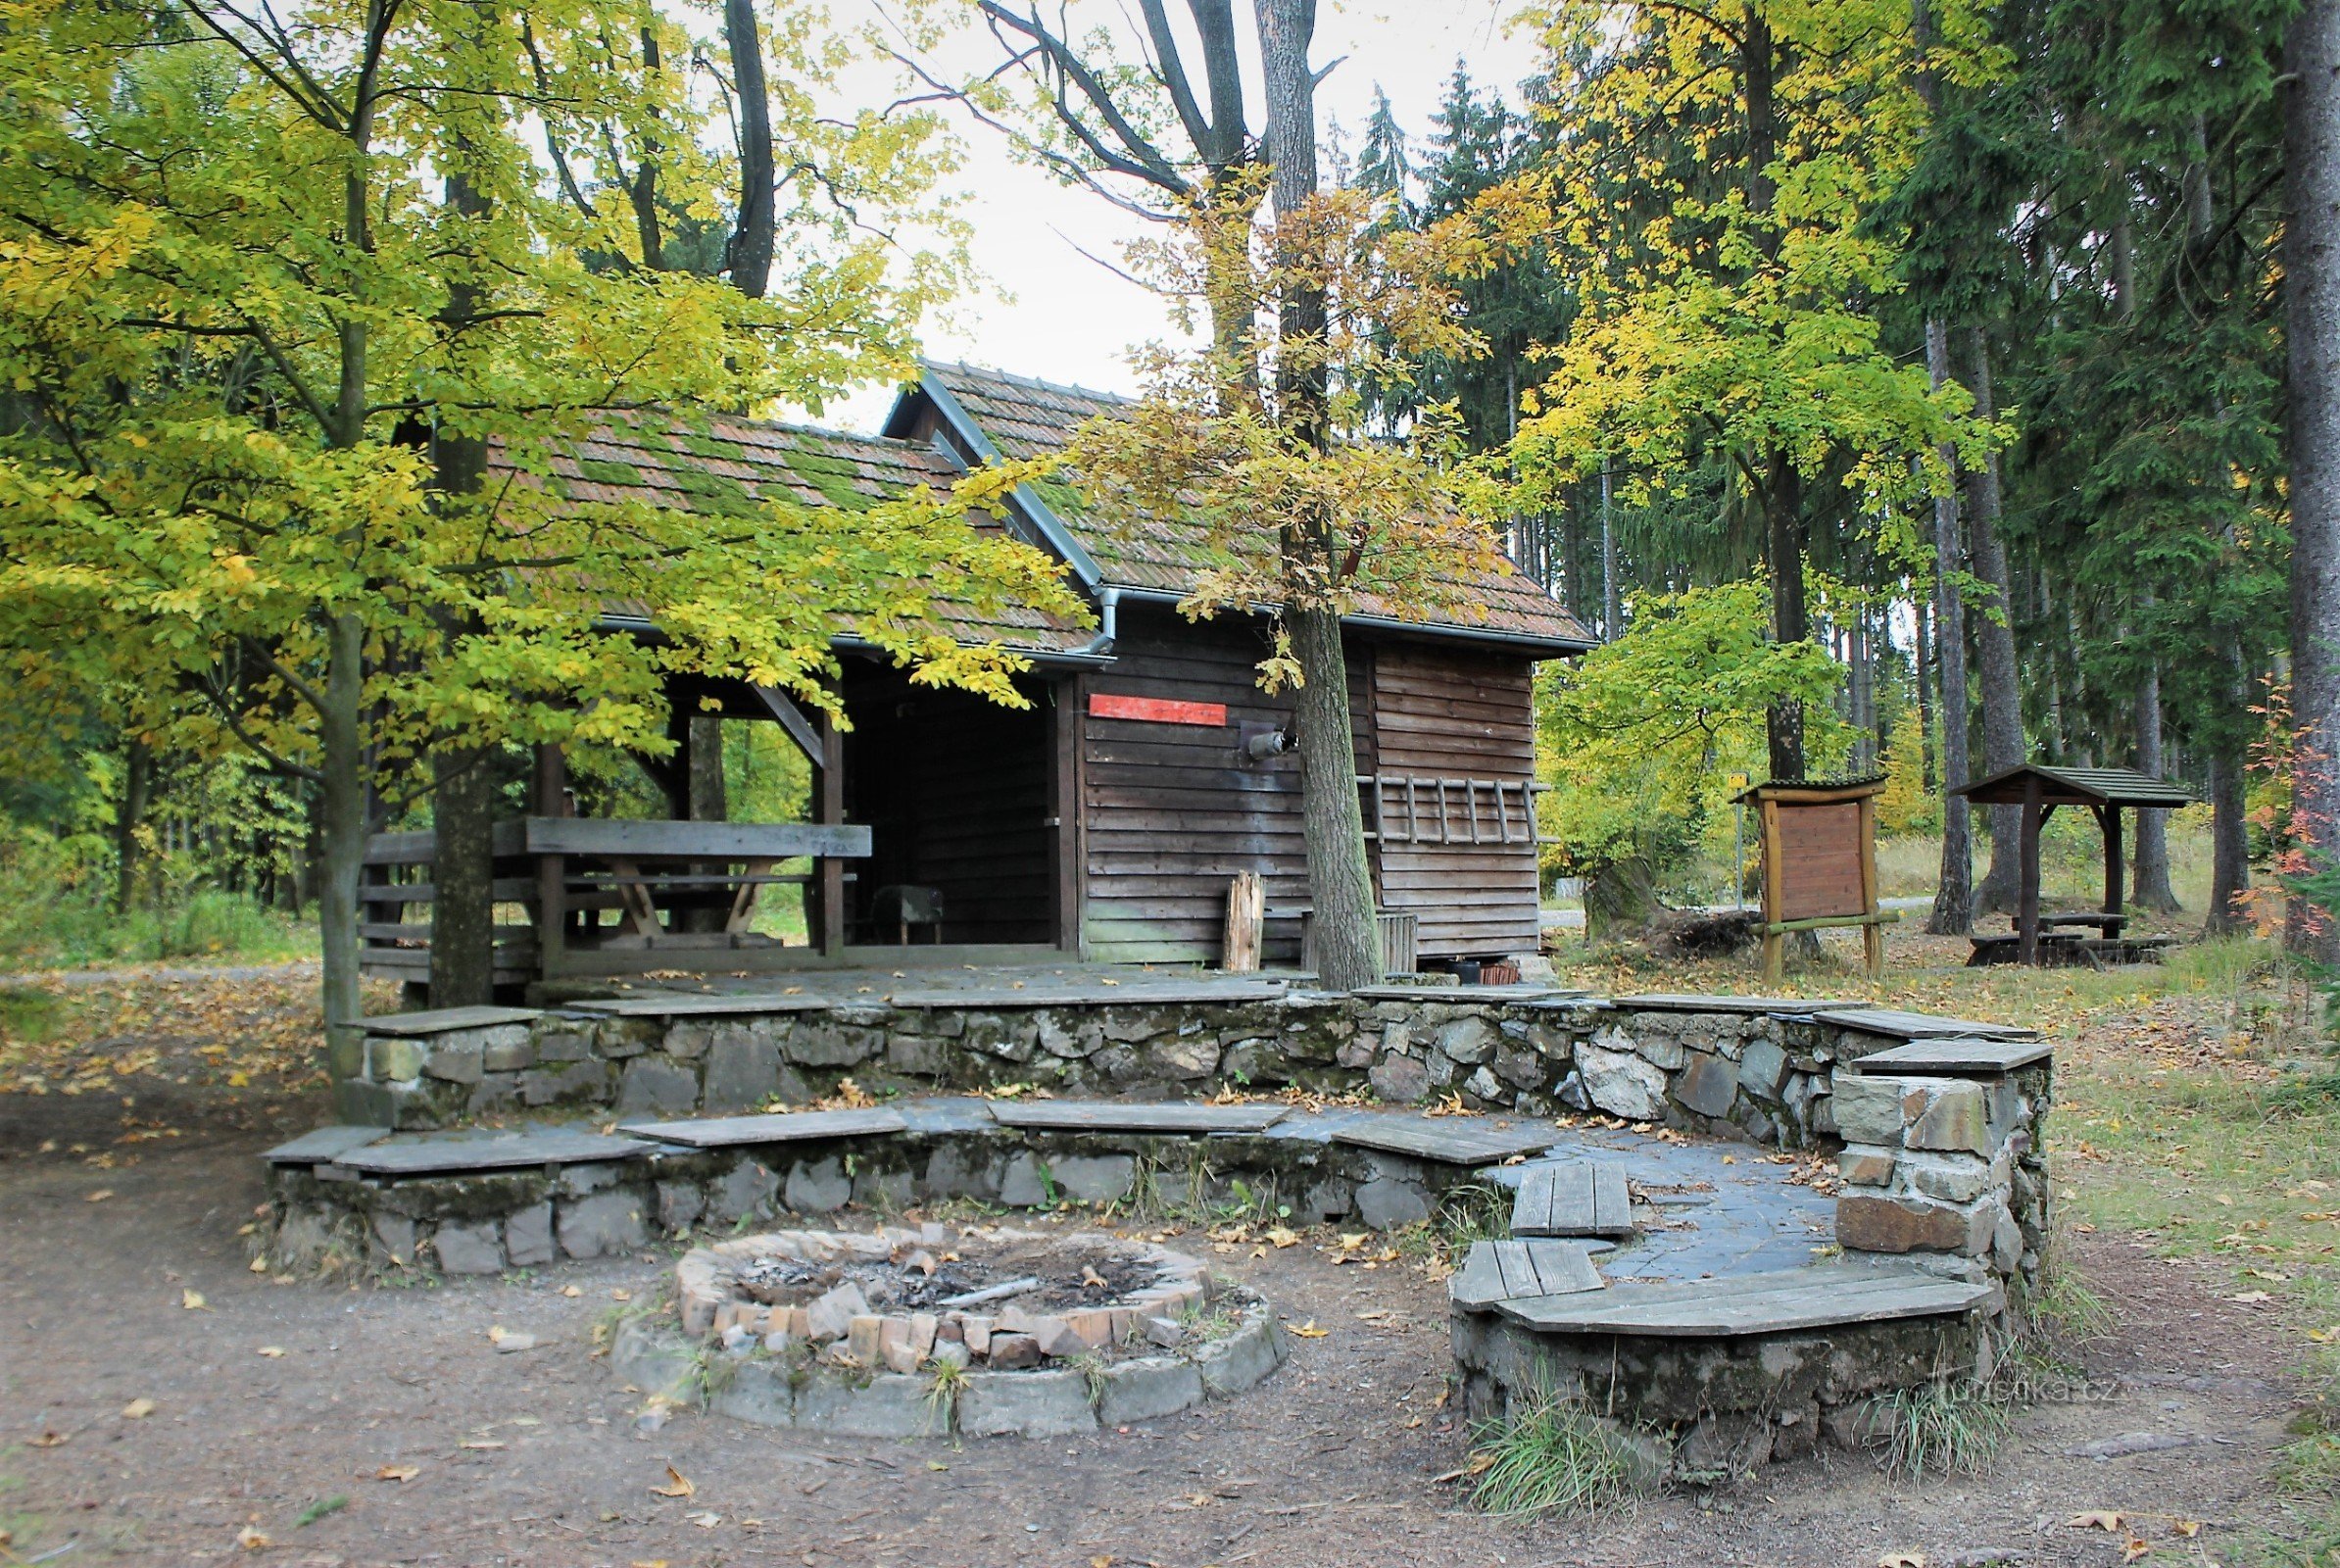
(2250,1297)
(274,1353)
(1902,1559)
(703,1520)
(506,1340)
(52,1439)
(191,1302)
(1309,1331)
(137,1409)
(398,1472)
(251,1539)
(100,1196)
(260,1264)
(2095,1519)
(677,1484)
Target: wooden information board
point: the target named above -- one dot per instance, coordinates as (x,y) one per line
(1819,863)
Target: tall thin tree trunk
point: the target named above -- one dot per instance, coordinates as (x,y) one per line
(1921,665)
(1340,876)
(2150,888)
(2230,823)
(1783,506)
(2311,314)
(129,815)
(748,257)
(1610,617)
(1994,648)
(1953,911)
(342,793)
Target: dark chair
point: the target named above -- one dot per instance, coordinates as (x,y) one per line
(899,908)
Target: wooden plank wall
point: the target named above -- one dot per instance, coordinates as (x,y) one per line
(1453,713)
(1173,811)
(954,789)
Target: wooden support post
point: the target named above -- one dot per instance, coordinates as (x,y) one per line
(1066,723)
(550,789)
(1775,941)
(831,931)
(1872,935)
(2027,906)
(2108,817)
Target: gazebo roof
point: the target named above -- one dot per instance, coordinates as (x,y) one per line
(2077,786)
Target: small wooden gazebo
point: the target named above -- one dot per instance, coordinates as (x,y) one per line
(2039,789)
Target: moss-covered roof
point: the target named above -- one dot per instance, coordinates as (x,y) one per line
(1027,418)
(720,465)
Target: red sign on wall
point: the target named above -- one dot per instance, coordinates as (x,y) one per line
(1156,710)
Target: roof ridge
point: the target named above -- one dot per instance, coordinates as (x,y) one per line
(792,426)
(1038,383)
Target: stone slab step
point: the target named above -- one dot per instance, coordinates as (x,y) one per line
(1133,994)
(1447,1139)
(780,1127)
(1500,1272)
(1955,1058)
(1585,1199)
(325,1145)
(448,1156)
(446,1020)
(1773,1303)
(1919,1025)
(674,1004)
(1518,993)
(1109,1115)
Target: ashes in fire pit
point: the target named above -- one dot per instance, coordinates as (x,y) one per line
(980,1330)
(900,1298)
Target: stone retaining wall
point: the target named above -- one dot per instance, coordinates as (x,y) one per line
(1755,1075)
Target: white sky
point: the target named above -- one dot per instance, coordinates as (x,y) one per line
(1047,310)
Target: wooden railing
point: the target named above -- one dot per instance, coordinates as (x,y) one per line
(1427,808)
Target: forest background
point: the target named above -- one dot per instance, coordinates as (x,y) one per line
(1918,371)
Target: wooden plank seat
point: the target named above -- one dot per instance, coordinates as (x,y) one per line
(1585,1198)
(1447,1140)
(1503,1271)
(448,1156)
(1115,1115)
(1820,1295)
(779,1127)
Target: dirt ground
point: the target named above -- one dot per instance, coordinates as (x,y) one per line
(536,1457)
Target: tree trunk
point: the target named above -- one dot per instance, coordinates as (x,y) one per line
(129,815)
(2312,316)
(1953,898)
(1610,613)
(1994,648)
(1783,508)
(1921,660)
(463,922)
(2150,880)
(748,254)
(1340,878)
(342,793)
(1620,899)
(462,918)
(2229,843)
(710,802)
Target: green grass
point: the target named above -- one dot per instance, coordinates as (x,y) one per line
(44,928)
(1554,1457)
(323,1507)
(1946,1428)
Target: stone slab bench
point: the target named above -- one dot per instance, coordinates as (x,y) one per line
(324,1145)
(1770,1006)
(1896,1024)
(446,1020)
(442,1156)
(1585,1198)
(783,1127)
(1955,1058)
(1167,1116)
(1500,1272)
(1775,1303)
(1447,1141)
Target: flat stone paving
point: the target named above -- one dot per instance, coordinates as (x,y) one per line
(1721,1209)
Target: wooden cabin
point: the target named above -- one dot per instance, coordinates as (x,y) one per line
(1106,821)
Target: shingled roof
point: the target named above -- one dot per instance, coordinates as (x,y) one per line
(1014,417)
(720,464)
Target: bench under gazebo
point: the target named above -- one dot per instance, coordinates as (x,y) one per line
(2039,789)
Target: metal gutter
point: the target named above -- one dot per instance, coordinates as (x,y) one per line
(1052,527)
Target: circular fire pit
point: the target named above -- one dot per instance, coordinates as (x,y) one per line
(979,1330)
